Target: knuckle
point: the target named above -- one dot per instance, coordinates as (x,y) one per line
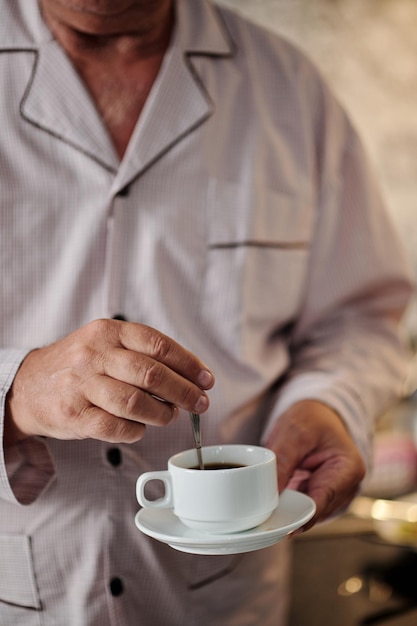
(164,414)
(188,397)
(90,422)
(69,410)
(134,402)
(97,327)
(102,329)
(128,432)
(330,497)
(83,355)
(104,430)
(105,427)
(152,376)
(161,346)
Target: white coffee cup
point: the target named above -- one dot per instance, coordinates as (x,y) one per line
(224,500)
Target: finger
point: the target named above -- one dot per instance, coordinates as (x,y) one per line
(299,480)
(335,483)
(95,423)
(313,439)
(156,378)
(159,347)
(329,501)
(126,401)
(332,482)
(290,451)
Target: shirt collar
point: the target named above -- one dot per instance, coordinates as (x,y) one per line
(201,29)
(182,103)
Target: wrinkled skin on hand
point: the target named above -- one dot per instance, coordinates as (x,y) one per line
(105,381)
(316,455)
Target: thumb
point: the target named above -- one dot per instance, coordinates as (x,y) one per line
(290,440)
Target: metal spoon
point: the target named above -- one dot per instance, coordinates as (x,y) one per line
(195,422)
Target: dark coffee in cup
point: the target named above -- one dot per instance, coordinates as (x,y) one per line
(218,466)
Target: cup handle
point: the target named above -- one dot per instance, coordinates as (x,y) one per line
(160,503)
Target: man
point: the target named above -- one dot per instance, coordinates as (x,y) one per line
(187,174)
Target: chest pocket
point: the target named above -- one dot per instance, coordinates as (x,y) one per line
(19,598)
(258,250)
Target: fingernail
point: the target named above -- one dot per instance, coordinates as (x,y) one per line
(205,378)
(201,405)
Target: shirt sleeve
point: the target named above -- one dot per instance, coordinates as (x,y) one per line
(27,468)
(347,349)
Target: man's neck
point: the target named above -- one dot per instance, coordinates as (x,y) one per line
(117,54)
(140,30)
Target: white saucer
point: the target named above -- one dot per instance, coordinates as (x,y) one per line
(293,511)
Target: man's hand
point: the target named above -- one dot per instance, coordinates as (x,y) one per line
(316,454)
(105,381)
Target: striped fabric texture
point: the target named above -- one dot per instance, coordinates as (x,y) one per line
(244,222)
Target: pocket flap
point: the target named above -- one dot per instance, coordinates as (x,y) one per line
(17,578)
(255,215)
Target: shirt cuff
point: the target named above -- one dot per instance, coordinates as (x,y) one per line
(26,468)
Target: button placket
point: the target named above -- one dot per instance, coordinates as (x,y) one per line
(114,254)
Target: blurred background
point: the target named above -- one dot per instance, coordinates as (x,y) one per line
(367,49)
(362,568)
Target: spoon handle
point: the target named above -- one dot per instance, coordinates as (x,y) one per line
(195,421)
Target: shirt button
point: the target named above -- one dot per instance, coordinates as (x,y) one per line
(116,587)
(114,456)
(120,317)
